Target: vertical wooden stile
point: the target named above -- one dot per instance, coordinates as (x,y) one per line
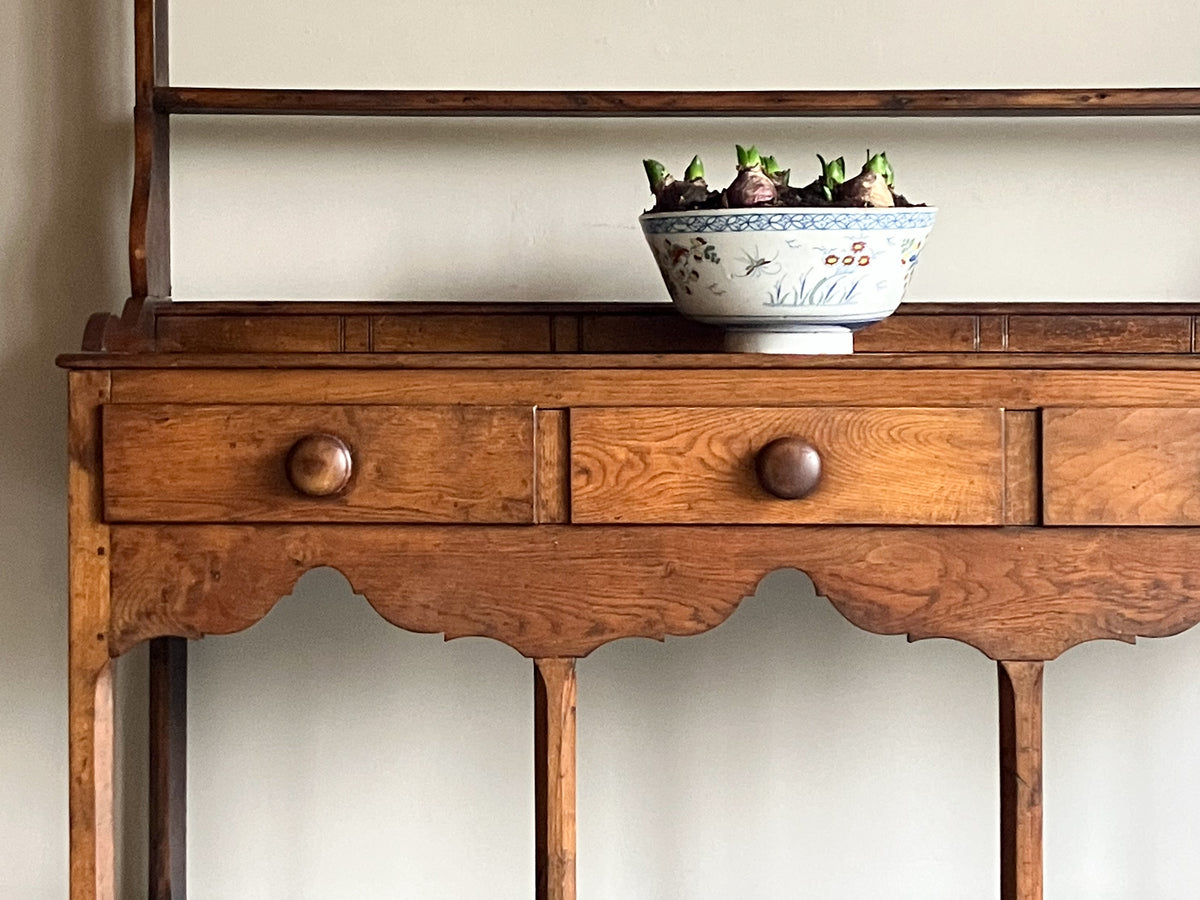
(1020,780)
(149,214)
(89,683)
(554,777)
(168,768)
(992,334)
(552,478)
(564,334)
(1022,469)
(355,334)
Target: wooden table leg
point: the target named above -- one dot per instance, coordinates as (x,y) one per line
(1020,780)
(91,764)
(89,676)
(168,768)
(554,777)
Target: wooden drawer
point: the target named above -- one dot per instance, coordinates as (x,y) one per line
(878,466)
(184,463)
(1119,466)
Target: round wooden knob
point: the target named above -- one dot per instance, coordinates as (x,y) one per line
(318,465)
(788,468)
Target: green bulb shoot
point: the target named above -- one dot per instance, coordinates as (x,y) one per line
(748,157)
(656,173)
(833,173)
(880,166)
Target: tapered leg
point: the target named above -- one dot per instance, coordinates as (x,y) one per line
(89,675)
(554,777)
(168,768)
(1020,780)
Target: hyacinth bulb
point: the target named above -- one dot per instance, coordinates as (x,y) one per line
(871,186)
(670,194)
(752,186)
(761,181)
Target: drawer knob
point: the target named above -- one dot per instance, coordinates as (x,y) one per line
(319,465)
(788,468)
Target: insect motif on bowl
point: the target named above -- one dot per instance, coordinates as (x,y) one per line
(757,265)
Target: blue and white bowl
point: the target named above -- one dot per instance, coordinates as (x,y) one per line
(785,280)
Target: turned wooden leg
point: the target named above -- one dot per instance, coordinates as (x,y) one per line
(554,777)
(1020,780)
(168,768)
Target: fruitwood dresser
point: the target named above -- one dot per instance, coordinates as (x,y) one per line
(1028,481)
(1019,478)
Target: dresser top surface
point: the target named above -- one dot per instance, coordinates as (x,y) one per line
(401,335)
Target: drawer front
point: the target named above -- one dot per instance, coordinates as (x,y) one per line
(1121,466)
(877,466)
(183,463)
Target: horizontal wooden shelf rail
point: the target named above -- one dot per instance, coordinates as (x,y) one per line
(1084,331)
(1181,101)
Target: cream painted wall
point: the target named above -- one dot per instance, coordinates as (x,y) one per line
(785,755)
(542,210)
(64,154)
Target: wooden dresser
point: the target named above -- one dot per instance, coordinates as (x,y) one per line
(557,478)
(1019,478)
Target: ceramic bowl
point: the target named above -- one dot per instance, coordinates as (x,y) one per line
(788,280)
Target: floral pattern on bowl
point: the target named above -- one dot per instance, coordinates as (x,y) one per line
(813,274)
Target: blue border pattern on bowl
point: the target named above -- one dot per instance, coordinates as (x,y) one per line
(832,219)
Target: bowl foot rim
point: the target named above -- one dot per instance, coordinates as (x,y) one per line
(813,341)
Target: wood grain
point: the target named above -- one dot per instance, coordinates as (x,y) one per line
(167,763)
(878,466)
(462,333)
(150,214)
(564,330)
(553,469)
(917,333)
(993,334)
(1020,780)
(248,334)
(554,701)
(989,102)
(89,682)
(1022,470)
(1122,466)
(357,336)
(427,464)
(564,590)
(1099,334)
(625,328)
(661,331)
(1013,387)
(142,359)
